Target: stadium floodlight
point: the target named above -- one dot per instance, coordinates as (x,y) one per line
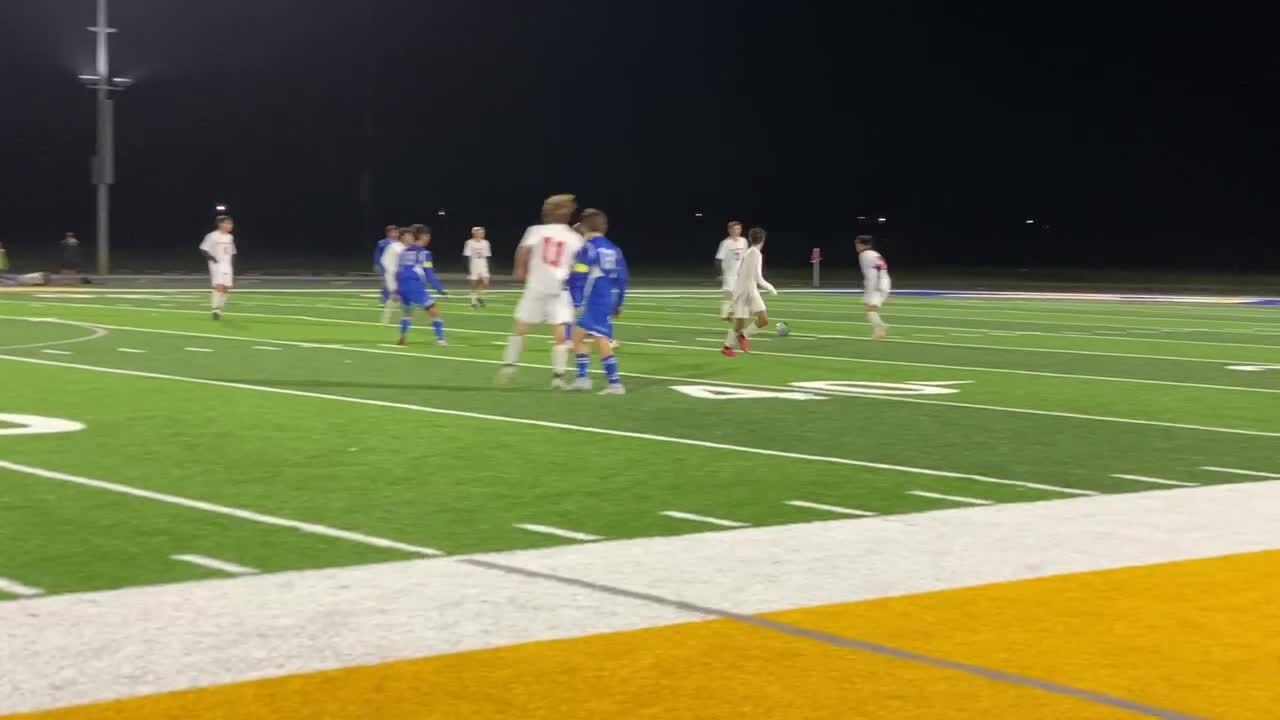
(220,208)
(104,158)
(441,212)
(697,214)
(882,220)
(1031,222)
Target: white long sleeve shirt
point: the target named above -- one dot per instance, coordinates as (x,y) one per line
(751,273)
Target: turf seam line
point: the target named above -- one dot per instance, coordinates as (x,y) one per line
(843,642)
(312,528)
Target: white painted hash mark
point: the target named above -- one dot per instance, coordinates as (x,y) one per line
(13,587)
(660,340)
(1237,471)
(703,519)
(56,352)
(953,498)
(264,347)
(129,350)
(249,515)
(215,564)
(559,532)
(195,349)
(829,508)
(1157,481)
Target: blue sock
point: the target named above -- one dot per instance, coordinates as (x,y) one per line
(405,323)
(610,364)
(438,326)
(584,364)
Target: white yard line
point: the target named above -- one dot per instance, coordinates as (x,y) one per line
(556,425)
(129,350)
(952,498)
(56,352)
(1155,480)
(829,508)
(265,347)
(13,587)
(1236,471)
(242,514)
(196,349)
(660,340)
(560,532)
(703,519)
(214,564)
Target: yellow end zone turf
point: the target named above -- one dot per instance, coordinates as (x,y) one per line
(1198,637)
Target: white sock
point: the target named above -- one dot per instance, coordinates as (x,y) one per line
(724,308)
(213,301)
(386,312)
(515,346)
(474,295)
(750,330)
(874,317)
(731,338)
(559,359)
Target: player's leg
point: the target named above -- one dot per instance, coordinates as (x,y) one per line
(879,330)
(437,323)
(527,313)
(389,295)
(582,359)
(484,286)
(609,361)
(559,311)
(474,296)
(411,296)
(726,305)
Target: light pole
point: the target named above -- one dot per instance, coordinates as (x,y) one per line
(104,158)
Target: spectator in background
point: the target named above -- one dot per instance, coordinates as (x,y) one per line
(71,255)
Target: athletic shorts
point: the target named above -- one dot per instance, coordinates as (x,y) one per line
(549,309)
(221,275)
(875,297)
(414,294)
(596,322)
(389,281)
(478,270)
(748,305)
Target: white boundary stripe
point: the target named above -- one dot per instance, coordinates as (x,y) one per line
(660,340)
(559,426)
(953,498)
(215,564)
(249,515)
(829,508)
(1236,471)
(264,347)
(129,350)
(559,532)
(704,519)
(56,352)
(13,587)
(1157,481)
(839,358)
(196,349)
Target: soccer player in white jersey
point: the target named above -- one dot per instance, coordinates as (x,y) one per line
(399,240)
(543,261)
(218,248)
(875,283)
(729,255)
(477,251)
(747,303)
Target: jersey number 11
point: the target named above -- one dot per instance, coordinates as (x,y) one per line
(552,251)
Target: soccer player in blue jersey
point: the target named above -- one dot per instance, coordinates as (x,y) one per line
(390,234)
(598,286)
(416,271)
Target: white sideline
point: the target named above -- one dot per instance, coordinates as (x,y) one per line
(679,515)
(952,498)
(1236,471)
(242,514)
(214,564)
(829,508)
(1154,480)
(556,425)
(559,532)
(13,587)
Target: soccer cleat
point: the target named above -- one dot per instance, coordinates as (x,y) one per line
(442,343)
(401,341)
(582,384)
(613,389)
(217,314)
(558,383)
(506,374)
(880,333)
(728,351)
(744,344)
(481,301)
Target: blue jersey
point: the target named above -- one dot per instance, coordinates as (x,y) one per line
(599,284)
(377,253)
(417,266)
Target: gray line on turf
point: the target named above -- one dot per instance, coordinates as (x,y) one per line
(842,641)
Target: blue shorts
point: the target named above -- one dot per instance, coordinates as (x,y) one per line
(596,322)
(415,295)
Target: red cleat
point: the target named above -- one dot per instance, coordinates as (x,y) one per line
(400,341)
(728,351)
(742,343)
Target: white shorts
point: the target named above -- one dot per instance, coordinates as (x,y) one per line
(548,309)
(875,297)
(748,305)
(479,270)
(220,275)
(389,280)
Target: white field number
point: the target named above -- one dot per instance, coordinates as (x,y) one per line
(818,390)
(36,425)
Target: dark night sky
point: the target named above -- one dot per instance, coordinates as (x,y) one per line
(1138,136)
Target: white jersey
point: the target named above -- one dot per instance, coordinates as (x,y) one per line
(391,258)
(750,277)
(730,256)
(552,250)
(477,249)
(222,246)
(875,272)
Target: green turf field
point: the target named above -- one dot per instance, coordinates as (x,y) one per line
(292,435)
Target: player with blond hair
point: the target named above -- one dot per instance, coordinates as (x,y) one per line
(747,303)
(477,251)
(729,255)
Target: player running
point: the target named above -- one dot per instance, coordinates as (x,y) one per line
(598,285)
(875,283)
(389,265)
(218,248)
(747,303)
(416,271)
(390,234)
(477,251)
(543,262)
(729,255)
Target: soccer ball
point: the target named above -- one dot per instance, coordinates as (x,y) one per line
(783,329)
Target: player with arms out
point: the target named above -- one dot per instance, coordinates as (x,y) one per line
(729,255)
(543,261)
(747,303)
(598,286)
(416,271)
(477,251)
(218,248)
(875,283)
